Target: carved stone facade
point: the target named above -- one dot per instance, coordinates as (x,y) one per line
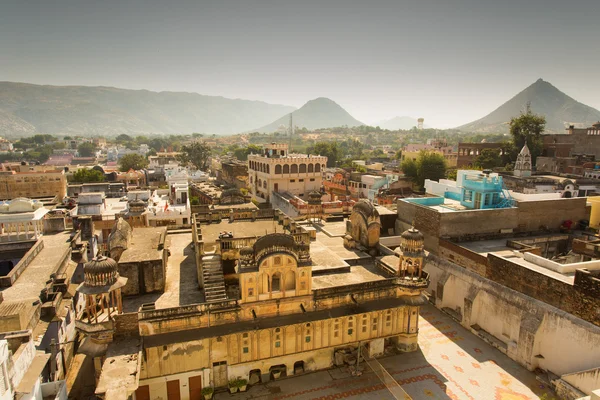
(364,227)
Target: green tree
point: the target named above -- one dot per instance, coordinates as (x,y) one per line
(429,165)
(85,175)
(527,128)
(86,149)
(123,138)
(196,153)
(132,161)
(328,149)
(488,159)
(241,153)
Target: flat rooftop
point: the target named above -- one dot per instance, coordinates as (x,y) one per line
(367,272)
(33,279)
(143,245)
(499,247)
(181,281)
(440,204)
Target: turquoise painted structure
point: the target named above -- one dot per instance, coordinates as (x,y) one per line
(481,191)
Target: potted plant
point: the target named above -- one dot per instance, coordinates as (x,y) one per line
(233,387)
(242,384)
(207,392)
(276,373)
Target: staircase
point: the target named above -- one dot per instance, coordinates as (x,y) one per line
(212,276)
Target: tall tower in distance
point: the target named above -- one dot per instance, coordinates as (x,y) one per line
(420,123)
(291,132)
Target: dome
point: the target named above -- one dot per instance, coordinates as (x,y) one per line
(101,271)
(412,234)
(411,241)
(246,251)
(366,208)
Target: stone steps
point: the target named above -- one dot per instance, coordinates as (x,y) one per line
(214,281)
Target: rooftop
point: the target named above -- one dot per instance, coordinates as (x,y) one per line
(143,245)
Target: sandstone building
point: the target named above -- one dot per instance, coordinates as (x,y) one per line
(276,170)
(264,306)
(33,182)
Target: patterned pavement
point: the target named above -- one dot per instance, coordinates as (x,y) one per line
(451,363)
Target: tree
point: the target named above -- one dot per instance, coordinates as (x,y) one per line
(488,159)
(196,153)
(241,153)
(132,161)
(328,149)
(86,149)
(85,175)
(123,138)
(429,165)
(527,128)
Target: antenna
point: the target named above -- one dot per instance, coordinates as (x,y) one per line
(291,132)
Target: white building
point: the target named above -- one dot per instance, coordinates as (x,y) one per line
(275,170)
(21,219)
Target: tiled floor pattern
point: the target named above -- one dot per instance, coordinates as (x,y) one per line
(451,363)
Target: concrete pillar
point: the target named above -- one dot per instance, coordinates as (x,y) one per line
(376,347)
(406,342)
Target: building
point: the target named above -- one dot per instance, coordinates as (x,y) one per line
(233,173)
(467,152)
(5,145)
(278,171)
(268,307)
(575,142)
(33,182)
(522,278)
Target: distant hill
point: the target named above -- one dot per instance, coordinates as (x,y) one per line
(27,109)
(397,123)
(315,114)
(559,109)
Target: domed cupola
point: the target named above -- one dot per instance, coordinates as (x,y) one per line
(100,271)
(412,241)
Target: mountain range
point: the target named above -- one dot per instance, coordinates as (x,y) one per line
(26,109)
(318,113)
(544,99)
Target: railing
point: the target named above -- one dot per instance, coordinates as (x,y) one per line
(274,249)
(175,312)
(236,243)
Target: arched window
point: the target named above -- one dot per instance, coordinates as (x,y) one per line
(278,169)
(276,282)
(310,168)
(268,168)
(302,168)
(317,167)
(294,169)
(259,182)
(286,169)
(265,184)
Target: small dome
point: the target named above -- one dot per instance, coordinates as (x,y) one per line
(412,234)
(101,271)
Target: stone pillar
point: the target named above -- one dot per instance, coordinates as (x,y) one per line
(376,347)
(406,342)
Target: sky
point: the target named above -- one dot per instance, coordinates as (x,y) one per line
(448,61)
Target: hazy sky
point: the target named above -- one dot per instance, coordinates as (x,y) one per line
(449,61)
